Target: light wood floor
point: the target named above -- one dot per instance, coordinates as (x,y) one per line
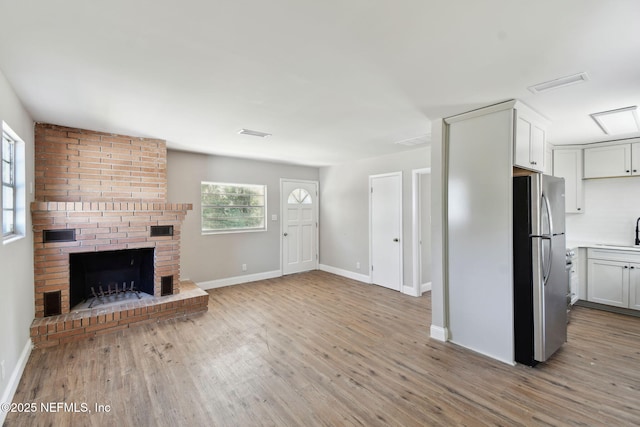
(318,349)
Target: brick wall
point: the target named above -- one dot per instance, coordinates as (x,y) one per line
(77,165)
(102,226)
(110,189)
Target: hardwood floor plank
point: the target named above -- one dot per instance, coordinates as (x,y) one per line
(315,349)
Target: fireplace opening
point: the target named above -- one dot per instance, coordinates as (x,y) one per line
(96,275)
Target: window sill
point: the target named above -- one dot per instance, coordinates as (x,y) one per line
(12,238)
(209,233)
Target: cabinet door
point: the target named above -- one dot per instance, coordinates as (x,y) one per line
(538,138)
(574,281)
(607,161)
(522,143)
(634,286)
(635,158)
(608,282)
(529,143)
(568,165)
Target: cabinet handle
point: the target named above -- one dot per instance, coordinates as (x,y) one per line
(534,163)
(635,170)
(632,267)
(627,170)
(579,209)
(626,266)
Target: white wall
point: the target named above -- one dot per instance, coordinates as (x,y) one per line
(425,229)
(344,210)
(612,206)
(16,262)
(480,239)
(214,257)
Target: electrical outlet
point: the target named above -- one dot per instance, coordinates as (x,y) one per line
(358,265)
(244,267)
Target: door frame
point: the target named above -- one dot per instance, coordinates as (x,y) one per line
(400,232)
(417,231)
(316,213)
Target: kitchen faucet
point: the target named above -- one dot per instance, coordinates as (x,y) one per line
(637,237)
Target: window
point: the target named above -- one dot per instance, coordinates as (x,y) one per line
(233,207)
(299,196)
(13,195)
(8,185)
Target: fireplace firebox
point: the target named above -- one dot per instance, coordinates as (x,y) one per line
(93,273)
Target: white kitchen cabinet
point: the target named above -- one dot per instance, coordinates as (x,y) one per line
(610,160)
(529,138)
(574,280)
(635,158)
(634,286)
(567,163)
(608,282)
(614,278)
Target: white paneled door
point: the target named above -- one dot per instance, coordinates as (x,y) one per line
(386,230)
(299,226)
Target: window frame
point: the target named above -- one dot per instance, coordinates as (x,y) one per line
(11,162)
(203,206)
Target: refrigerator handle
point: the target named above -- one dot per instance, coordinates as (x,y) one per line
(548,208)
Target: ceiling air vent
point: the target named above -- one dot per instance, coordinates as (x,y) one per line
(253,133)
(411,142)
(558,83)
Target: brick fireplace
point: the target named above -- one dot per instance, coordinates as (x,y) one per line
(98,192)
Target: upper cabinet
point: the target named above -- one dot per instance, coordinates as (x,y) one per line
(530,138)
(635,158)
(612,160)
(567,163)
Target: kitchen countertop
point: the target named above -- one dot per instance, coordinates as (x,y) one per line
(619,247)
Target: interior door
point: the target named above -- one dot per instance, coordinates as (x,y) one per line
(425,228)
(299,226)
(386,230)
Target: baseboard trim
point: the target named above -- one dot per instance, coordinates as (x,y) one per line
(410,290)
(439,333)
(12,385)
(345,273)
(494,357)
(425,287)
(237,280)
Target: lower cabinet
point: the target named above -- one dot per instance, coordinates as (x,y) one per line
(614,278)
(574,280)
(634,286)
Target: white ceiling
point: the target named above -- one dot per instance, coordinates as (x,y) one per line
(332,80)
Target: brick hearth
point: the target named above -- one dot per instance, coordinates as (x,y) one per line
(108,191)
(84,324)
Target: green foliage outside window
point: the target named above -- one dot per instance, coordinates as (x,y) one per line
(230,207)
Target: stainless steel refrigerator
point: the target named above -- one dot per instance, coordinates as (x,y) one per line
(539,280)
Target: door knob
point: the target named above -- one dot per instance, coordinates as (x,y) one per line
(286,234)
(396,240)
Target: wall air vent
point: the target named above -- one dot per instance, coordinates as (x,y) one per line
(161,230)
(254,133)
(558,83)
(51,236)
